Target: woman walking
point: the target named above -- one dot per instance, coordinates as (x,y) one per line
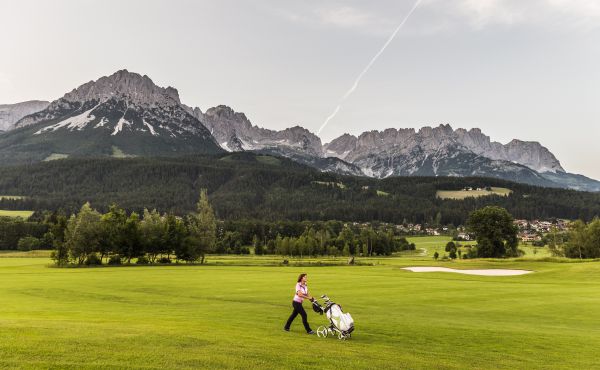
(301,294)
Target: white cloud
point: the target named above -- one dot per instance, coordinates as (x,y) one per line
(575,14)
(434,16)
(483,12)
(344,16)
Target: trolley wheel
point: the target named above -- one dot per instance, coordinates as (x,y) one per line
(322,332)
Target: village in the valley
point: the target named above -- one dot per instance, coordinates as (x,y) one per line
(530,231)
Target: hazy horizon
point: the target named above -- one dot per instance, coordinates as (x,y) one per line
(516,70)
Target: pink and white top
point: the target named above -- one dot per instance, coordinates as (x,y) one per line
(300,288)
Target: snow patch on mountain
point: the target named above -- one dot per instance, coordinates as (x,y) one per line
(120,124)
(72,123)
(150,127)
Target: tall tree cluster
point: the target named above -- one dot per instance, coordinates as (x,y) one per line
(90,237)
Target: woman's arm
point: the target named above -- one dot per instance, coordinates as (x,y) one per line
(301,294)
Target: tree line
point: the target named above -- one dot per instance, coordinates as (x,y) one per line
(582,241)
(89,237)
(248,186)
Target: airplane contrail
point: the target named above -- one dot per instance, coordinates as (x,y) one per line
(364,71)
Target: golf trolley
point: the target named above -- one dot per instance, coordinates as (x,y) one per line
(340,324)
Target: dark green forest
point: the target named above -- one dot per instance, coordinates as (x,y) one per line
(249,186)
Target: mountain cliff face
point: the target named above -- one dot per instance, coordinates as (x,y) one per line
(234,132)
(12,113)
(403,152)
(430,151)
(124,114)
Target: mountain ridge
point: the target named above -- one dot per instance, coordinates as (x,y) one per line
(127,113)
(10,114)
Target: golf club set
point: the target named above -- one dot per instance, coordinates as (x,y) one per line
(341,324)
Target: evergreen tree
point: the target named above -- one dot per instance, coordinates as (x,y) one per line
(203,226)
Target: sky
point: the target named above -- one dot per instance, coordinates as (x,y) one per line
(526,69)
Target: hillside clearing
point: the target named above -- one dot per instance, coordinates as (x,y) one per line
(22,214)
(462,194)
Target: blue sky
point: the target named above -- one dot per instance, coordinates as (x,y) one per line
(516,69)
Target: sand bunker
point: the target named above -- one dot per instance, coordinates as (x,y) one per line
(488,272)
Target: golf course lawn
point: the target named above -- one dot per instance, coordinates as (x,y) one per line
(226,316)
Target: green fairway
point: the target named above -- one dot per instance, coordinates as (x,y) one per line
(428,245)
(232,316)
(23,214)
(462,194)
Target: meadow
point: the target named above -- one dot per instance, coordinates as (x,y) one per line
(230,314)
(23,214)
(462,194)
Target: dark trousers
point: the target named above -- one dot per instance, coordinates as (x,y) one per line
(298,309)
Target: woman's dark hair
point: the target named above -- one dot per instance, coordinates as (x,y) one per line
(300,277)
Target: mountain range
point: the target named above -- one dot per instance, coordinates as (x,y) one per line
(126,114)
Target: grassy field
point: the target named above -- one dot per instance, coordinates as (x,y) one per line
(55,156)
(12,197)
(23,214)
(428,245)
(462,194)
(231,316)
(338,184)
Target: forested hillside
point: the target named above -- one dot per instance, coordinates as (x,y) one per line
(249,186)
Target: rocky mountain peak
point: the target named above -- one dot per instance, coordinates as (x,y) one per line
(225,112)
(341,146)
(533,155)
(124,85)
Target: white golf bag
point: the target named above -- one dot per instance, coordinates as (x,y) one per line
(340,323)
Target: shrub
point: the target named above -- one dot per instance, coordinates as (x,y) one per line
(29,243)
(93,259)
(436,255)
(114,260)
(142,261)
(164,260)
